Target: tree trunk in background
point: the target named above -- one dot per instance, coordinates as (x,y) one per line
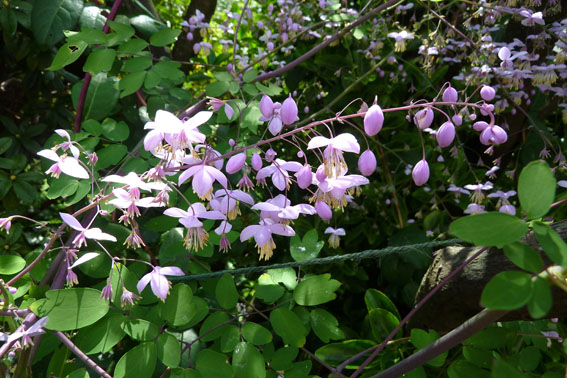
(183,49)
(460,298)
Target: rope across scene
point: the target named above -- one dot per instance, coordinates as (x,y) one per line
(368,254)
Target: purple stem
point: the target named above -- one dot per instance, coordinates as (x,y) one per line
(79,353)
(316,49)
(407,318)
(88,76)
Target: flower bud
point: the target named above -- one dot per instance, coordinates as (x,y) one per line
(480,126)
(266,106)
(420,172)
(288,111)
(493,135)
(275,125)
(231,142)
(323,210)
(235,163)
(320,175)
(189,36)
(367,163)
(424,118)
(270,155)
(373,120)
(457,120)
(256,161)
(508,209)
(487,93)
(196,48)
(304,176)
(450,95)
(446,134)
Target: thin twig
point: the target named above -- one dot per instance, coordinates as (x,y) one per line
(236,34)
(79,353)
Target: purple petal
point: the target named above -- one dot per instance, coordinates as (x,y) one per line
(317,142)
(71,221)
(248,232)
(346,142)
(159,285)
(170,271)
(97,234)
(70,166)
(143,282)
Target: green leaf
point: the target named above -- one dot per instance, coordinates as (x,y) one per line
(382,323)
(115,131)
(146,25)
(286,276)
(131,83)
(230,338)
(122,32)
(283,358)
(507,291)
(164,37)
(464,369)
(226,293)
(212,364)
(11,264)
(551,243)
(102,336)
(500,368)
(541,300)
(137,64)
(100,61)
(524,256)
(288,326)
(306,249)
(212,328)
(299,369)
(421,339)
(183,373)
(92,126)
(67,54)
(336,353)
(70,309)
(478,356)
(92,17)
(493,229)
(251,116)
(169,70)
(138,362)
(49,18)
(5,143)
(376,299)
(269,293)
(536,189)
(316,290)
(25,192)
(250,75)
(248,362)
(89,36)
(63,187)
(223,76)
(79,373)
(102,96)
(216,89)
(8,20)
(178,307)
(325,325)
(256,334)
(132,46)
(141,330)
(168,350)
(530,358)
(110,155)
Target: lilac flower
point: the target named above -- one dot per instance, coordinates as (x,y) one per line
(424,118)
(420,172)
(156,278)
(478,189)
(134,240)
(367,163)
(493,135)
(272,112)
(68,145)
(279,209)
(334,239)
(278,170)
(256,161)
(71,278)
(288,111)
(164,123)
(196,236)
(27,334)
(323,210)
(129,203)
(503,198)
(304,176)
(235,163)
(487,93)
(262,234)
(333,190)
(107,292)
(85,233)
(203,178)
(127,298)
(530,18)
(245,183)
(401,39)
(474,208)
(226,202)
(222,230)
(333,153)
(228,111)
(6,223)
(65,164)
(373,120)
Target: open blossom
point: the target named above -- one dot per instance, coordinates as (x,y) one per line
(278,171)
(334,239)
(401,39)
(6,223)
(226,202)
(156,278)
(84,233)
(333,153)
(203,178)
(127,298)
(64,164)
(68,145)
(129,203)
(477,190)
(262,234)
(179,134)
(196,236)
(279,209)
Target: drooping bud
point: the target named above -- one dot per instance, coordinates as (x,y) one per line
(487,93)
(270,155)
(446,134)
(450,95)
(367,163)
(266,106)
(304,176)
(424,118)
(373,120)
(420,172)
(493,135)
(323,210)
(479,126)
(256,161)
(235,163)
(457,120)
(288,111)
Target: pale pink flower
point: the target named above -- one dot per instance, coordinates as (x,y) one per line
(68,145)
(203,178)
(262,234)
(334,239)
(64,164)
(278,170)
(84,233)
(196,236)
(226,202)
(156,278)
(279,209)
(333,153)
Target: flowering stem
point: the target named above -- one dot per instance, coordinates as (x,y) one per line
(380,347)
(79,353)
(236,34)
